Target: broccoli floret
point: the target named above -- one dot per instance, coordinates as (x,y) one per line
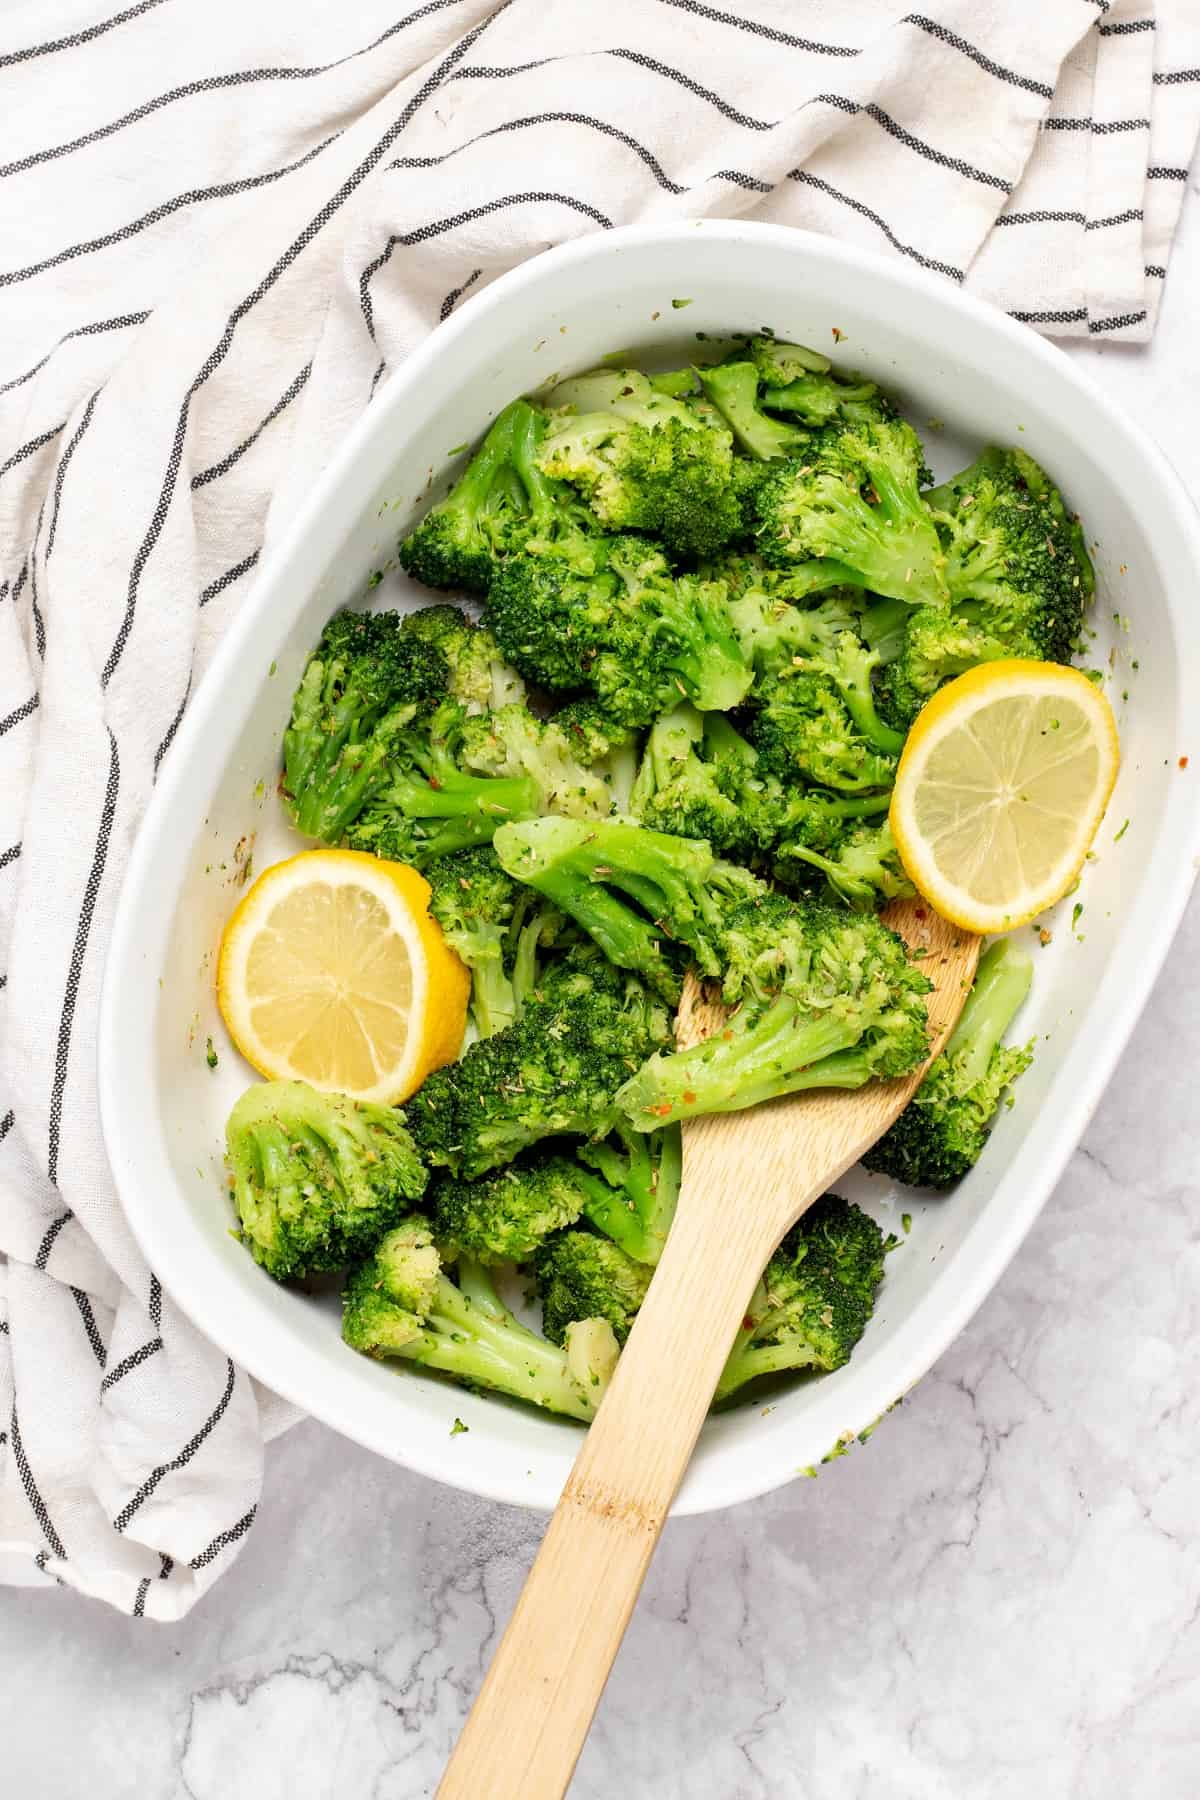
(606,614)
(515,743)
(643,459)
(402,1303)
(505,1216)
(316,1177)
(823,998)
(362,686)
(1013,552)
(634,891)
(732,387)
(499,500)
(474,901)
(692,778)
(433,802)
(582,1276)
(553,1073)
(783,641)
(941,1133)
(803,727)
(478,675)
(862,869)
(853,496)
(802,381)
(632,1186)
(1018,573)
(815,1298)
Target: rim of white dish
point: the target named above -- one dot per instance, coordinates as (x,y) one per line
(265,1349)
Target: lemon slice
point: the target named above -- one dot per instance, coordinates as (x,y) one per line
(1002,784)
(332,971)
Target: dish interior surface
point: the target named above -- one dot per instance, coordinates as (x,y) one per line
(216,819)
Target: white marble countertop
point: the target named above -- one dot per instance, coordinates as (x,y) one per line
(998,1599)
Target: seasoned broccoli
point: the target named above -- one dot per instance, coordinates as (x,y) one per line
(815,1297)
(474,902)
(570,770)
(478,675)
(862,869)
(692,781)
(632,1186)
(499,500)
(668,890)
(853,496)
(607,615)
(823,998)
(732,387)
(432,802)
(554,1073)
(582,1276)
(504,1217)
(402,1303)
(1018,573)
(783,641)
(363,685)
(316,1178)
(802,381)
(802,727)
(941,1133)
(643,459)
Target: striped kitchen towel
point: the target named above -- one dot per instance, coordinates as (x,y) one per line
(220,226)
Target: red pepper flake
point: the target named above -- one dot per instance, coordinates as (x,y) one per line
(689,1099)
(838,336)
(1183,762)
(662,1110)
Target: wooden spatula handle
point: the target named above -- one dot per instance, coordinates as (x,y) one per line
(527,1727)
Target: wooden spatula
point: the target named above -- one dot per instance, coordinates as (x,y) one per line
(747,1177)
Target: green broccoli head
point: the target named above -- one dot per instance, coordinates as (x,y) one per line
(553,754)
(815,1299)
(582,1276)
(801,727)
(362,687)
(505,1216)
(433,802)
(401,1302)
(479,678)
(1017,566)
(853,496)
(607,615)
(475,902)
(553,1073)
(940,1135)
(692,781)
(499,501)
(822,998)
(861,868)
(316,1178)
(636,892)
(631,1182)
(644,460)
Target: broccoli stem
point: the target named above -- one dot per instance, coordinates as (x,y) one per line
(471,491)
(632,1199)
(493,999)
(449,794)
(783,1051)
(469,1334)
(733,390)
(883,628)
(747,1361)
(852,673)
(1002,982)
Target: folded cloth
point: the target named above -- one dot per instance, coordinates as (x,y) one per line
(221,227)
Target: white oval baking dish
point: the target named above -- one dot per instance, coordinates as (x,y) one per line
(968,375)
